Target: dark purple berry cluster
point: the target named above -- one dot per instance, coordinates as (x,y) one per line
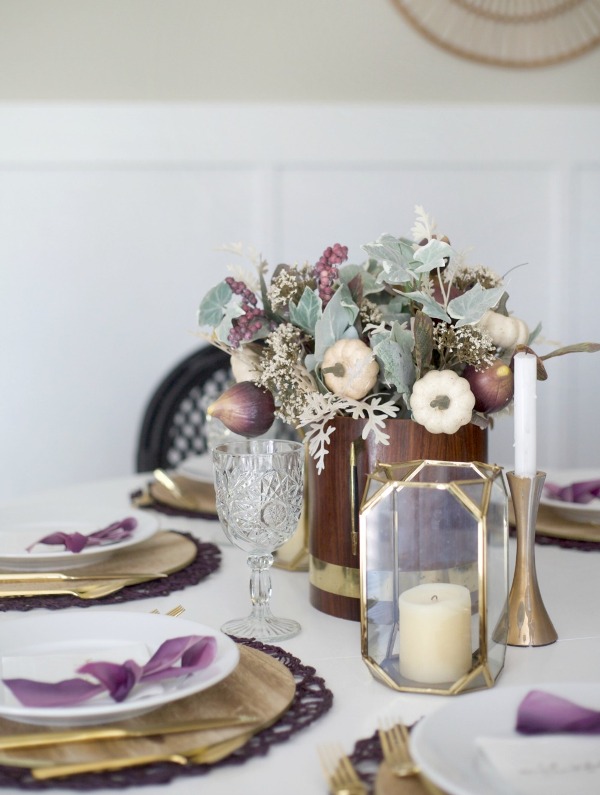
(326,272)
(245,326)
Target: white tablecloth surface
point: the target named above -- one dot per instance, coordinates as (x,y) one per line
(569,582)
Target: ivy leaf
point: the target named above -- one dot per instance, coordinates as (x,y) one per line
(394,256)
(429,305)
(335,322)
(470,307)
(432,256)
(231,311)
(370,285)
(212,306)
(308,311)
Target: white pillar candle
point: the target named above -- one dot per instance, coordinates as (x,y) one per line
(435,632)
(525,415)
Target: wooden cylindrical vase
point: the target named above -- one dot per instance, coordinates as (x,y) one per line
(334,498)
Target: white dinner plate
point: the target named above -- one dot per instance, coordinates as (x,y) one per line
(444,742)
(52,647)
(197,467)
(573,511)
(18,532)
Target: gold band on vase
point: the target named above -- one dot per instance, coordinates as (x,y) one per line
(338,580)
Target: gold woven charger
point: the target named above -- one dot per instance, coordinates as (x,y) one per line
(260,687)
(164,553)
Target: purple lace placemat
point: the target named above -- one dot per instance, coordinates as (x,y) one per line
(312,700)
(565,543)
(207,561)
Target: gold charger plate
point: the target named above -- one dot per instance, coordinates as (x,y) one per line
(549,523)
(197,496)
(260,686)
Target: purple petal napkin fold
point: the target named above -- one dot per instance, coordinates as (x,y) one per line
(191,652)
(582,492)
(75,542)
(545,713)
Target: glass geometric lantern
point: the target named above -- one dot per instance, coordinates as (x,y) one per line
(434,575)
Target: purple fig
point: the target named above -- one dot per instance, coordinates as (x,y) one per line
(493,387)
(245,409)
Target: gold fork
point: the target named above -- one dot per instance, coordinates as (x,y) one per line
(394,744)
(341,776)
(174,611)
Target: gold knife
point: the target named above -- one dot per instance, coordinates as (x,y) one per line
(86,734)
(204,755)
(54,576)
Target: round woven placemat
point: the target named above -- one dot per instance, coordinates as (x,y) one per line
(312,700)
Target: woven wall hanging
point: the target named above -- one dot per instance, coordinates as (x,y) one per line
(517,33)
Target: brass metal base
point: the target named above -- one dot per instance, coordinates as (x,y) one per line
(528,621)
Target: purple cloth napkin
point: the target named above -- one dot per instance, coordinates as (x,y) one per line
(75,542)
(545,713)
(583,492)
(192,652)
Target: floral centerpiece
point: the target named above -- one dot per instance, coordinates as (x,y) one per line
(412,332)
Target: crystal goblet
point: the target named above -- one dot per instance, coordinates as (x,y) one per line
(259,487)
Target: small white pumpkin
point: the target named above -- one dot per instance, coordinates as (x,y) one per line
(349,369)
(442,401)
(506,332)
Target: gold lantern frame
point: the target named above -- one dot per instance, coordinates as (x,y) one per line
(474,477)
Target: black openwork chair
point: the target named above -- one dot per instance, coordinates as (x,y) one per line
(174,422)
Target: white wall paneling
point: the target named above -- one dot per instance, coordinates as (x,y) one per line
(110,217)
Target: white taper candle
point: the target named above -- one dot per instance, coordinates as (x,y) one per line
(525,414)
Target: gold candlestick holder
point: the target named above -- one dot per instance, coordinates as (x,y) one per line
(528,621)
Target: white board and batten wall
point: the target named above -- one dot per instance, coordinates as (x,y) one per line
(111,217)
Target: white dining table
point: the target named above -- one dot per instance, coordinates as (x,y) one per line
(569,582)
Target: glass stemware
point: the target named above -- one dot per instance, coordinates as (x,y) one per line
(259,488)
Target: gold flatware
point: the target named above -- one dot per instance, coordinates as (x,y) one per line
(394,744)
(341,777)
(87,734)
(174,611)
(93,591)
(203,755)
(55,576)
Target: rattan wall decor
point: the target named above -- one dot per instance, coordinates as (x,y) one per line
(513,33)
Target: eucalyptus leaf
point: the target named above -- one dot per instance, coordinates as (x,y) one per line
(580,347)
(471,306)
(308,311)
(423,331)
(212,306)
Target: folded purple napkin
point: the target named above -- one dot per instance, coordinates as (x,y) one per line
(193,652)
(75,542)
(545,713)
(583,492)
